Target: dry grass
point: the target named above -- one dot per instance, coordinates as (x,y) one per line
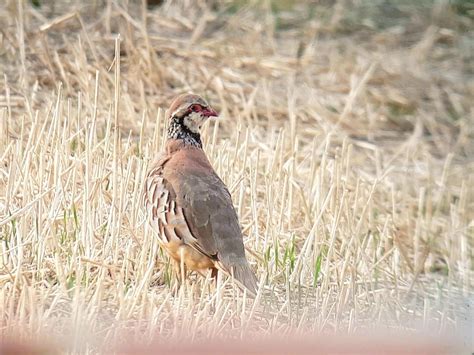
(345,138)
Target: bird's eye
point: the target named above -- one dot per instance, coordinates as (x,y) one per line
(196,108)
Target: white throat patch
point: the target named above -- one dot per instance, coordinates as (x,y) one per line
(194,121)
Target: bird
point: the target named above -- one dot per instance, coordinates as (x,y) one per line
(187,204)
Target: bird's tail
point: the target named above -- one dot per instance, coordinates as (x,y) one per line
(245,277)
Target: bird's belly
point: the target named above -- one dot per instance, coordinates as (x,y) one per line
(193,259)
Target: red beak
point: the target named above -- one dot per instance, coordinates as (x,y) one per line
(209,112)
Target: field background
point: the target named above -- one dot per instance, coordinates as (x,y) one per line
(345,136)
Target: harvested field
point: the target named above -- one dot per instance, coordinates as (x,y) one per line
(345,137)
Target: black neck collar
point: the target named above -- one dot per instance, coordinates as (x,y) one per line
(178,130)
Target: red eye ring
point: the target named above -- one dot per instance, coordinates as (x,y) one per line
(196,108)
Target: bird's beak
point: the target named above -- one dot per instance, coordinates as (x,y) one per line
(209,112)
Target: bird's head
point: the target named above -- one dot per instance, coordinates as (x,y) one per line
(190,112)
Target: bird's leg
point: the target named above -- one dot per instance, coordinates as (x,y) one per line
(179,271)
(176,278)
(182,267)
(213,280)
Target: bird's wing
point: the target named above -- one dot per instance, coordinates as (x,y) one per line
(211,216)
(208,207)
